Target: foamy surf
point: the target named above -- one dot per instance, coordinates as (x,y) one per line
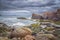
(18,24)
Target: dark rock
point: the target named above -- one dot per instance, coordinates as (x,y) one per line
(57,32)
(36,16)
(21,18)
(3,25)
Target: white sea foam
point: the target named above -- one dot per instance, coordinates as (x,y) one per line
(18,24)
(43,26)
(29,18)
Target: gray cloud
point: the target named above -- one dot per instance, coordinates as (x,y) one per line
(31,5)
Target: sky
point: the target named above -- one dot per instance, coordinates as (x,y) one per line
(34,6)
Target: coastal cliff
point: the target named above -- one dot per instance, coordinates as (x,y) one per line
(48,15)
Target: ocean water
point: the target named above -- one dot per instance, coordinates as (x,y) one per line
(11,20)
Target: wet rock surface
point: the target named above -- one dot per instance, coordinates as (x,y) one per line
(42,36)
(3,25)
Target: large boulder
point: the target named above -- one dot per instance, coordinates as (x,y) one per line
(3,27)
(42,36)
(20,32)
(4,38)
(57,32)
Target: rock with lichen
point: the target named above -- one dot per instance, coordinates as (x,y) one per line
(20,32)
(42,36)
(29,37)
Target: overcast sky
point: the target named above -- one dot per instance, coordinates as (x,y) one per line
(29,5)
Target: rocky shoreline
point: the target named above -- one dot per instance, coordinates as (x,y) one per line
(43,34)
(44,29)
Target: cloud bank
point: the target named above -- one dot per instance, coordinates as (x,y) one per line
(30,5)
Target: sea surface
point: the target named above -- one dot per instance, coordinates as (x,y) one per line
(11,20)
